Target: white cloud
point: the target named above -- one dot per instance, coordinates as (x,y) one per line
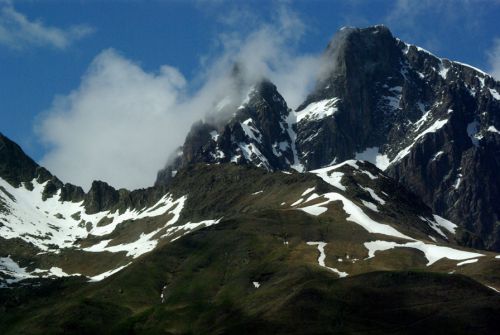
(494,59)
(117,126)
(18,32)
(271,51)
(121,124)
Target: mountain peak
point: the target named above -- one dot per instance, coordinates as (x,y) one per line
(353,58)
(15,165)
(350,39)
(257,132)
(371,32)
(426,119)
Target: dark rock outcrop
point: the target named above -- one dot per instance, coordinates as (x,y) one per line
(15,165)
(432,124)
(16,168)
(256,133)
(100,197)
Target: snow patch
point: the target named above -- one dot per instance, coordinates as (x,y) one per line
(436,155)
(291,120)
(458,181)
(356,215)
(106,274)
(252,153)
(494,289)
(442,222)
(312,197)
(470,261)
(432,129)
(330,176)
(493,129)
(307,191)
(494,93)
(318,110)
(279,148)
(12,269)
(145,243)
(370,205)
(392,102)
(188,227)
(374,195)
(432,252)
(314,210)
(422,120)
(251,131)
(322,257)
(333,179)
(437,222)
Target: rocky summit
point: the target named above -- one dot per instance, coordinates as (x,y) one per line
(430,123)
(371,208)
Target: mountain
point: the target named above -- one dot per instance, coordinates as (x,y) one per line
(49,227)
(269,220)
(258,133)
(256,251)
(45,222)
(430,123)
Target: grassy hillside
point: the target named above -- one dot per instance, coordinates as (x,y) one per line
(207,280)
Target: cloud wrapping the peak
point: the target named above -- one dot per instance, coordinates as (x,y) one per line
(122,123)
(270,51)
(18,32)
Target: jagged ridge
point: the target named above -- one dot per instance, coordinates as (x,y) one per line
(430,122)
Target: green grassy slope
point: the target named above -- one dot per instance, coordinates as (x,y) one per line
(208,277)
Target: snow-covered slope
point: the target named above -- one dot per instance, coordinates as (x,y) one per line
(53,226)
(52,222)
(51,229)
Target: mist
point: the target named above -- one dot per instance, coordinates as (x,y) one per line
(122,123)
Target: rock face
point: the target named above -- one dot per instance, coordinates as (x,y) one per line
(432,124)
(257,133)
(15,166)
(364,76)
(100,197)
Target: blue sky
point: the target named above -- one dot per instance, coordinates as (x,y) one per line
(63,65)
